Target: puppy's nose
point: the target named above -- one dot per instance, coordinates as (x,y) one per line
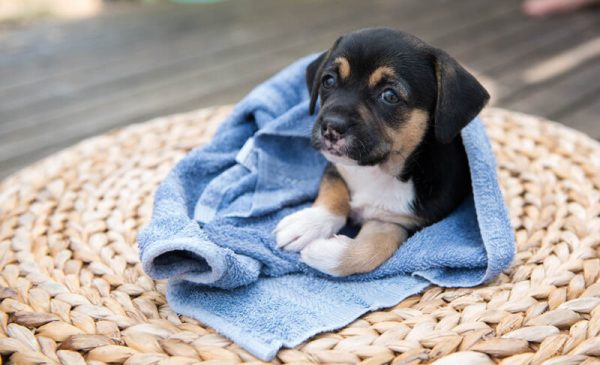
(333,128)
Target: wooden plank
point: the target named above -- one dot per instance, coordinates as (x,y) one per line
(84,44)
(550,38)
(174,50)
(454,25)
(513,81)
(486,27)
(171,73)
(521,46)
(560,94)
(153,54)
(175,68)
(140,76)
(79,36)
(43,44)
(201,81)
(40,140)
(29,41)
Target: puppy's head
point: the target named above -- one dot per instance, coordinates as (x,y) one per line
(383,92)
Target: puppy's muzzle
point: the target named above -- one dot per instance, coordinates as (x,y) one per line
(333,128)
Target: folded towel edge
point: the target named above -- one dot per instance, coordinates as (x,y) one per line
(215,262)
(497,220)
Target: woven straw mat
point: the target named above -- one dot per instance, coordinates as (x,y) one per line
(72,290)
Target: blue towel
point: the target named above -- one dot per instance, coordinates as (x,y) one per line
(211,230)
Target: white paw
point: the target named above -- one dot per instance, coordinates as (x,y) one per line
(297,230)
(326,255)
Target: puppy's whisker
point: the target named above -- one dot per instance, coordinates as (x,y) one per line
(363,148)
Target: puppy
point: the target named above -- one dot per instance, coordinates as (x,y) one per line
(392,108)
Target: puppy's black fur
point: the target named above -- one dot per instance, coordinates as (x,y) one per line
(424,79)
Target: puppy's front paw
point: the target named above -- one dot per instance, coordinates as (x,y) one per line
(297,230)
(326,255)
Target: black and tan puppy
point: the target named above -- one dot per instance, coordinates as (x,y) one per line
(392,108)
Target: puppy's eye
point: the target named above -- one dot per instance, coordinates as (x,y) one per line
(328,81)
(389,96)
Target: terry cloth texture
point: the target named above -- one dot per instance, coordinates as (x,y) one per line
(211,230)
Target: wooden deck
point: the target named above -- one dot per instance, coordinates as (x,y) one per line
(61,82)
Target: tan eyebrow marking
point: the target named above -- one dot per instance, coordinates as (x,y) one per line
(343,67)
(380,73)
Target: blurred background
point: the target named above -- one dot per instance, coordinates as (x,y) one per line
(70,69)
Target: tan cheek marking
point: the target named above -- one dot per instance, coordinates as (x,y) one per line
(343,67)
(405,139)
(411,133)
(379,74)
(334,195)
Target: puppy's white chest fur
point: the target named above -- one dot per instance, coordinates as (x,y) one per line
(375,194)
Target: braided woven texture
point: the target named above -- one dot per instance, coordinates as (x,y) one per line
(72,290)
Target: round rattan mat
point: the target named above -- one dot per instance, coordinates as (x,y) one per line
(72,289)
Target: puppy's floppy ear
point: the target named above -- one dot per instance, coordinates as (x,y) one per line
(311,71)
(460,97)
(314,72)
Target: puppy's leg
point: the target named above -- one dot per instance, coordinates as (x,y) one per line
(341,256)
(327,215)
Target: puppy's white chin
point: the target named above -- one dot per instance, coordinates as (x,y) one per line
(342,160)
